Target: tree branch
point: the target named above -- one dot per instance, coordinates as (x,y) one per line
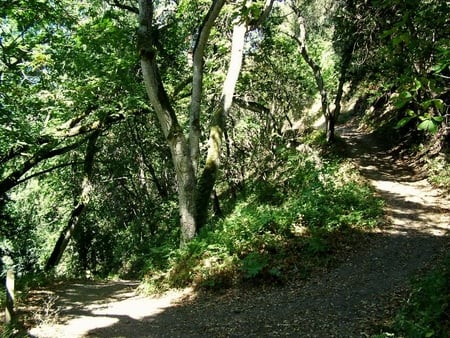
(63,133)
(46,171)
(46,152)
(197,79)
(83,200)
(120,5)
(251,105)
(264,15)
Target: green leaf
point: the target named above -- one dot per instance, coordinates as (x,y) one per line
(438,103)
(411,113)
(388,32)
(253,264)
(438,68)
(425,117)
(403,99)
(438,119)
(404,121)
(401,38)
(428,125)
(418,85)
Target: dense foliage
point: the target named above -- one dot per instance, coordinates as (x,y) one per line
(298,215)
(95,157)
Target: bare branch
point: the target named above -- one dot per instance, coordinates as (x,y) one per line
(251,105)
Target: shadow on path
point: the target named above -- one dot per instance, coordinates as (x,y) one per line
(343,302)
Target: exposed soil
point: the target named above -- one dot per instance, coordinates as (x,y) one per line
(345,302)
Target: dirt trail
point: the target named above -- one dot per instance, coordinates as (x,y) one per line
(340,303)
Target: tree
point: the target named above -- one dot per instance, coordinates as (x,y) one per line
(83,200)
(402,56)
(56,95)
(329,112)
(43,115)
(193,191)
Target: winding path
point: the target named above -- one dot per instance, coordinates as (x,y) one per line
(343,302)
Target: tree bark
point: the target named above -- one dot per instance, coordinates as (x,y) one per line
(346,59)
(83,200)
(208,178)
(331,116)
(179,147)
(197,80)
(9,310)
(193,194)
(330,129)
(46,152)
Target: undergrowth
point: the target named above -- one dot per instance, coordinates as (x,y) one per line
(427,311)
(284,226)
(439,171)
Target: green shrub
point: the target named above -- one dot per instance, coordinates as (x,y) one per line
(439,171)
(282,226)
(427,312)
(253,264)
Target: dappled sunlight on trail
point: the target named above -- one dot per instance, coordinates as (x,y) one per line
(344,301)
(84,307)
(413,205)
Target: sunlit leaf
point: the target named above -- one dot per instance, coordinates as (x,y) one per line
(428,125)
(439,67)
(438,103)
(417,84)
(438,119)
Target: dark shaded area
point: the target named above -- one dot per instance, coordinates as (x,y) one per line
(377,156)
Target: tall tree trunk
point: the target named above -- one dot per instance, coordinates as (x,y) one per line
(193,198)
(10,315)
(83,200)
(178,144)
(346,58)
(197,80)
(333,115)
(208,178)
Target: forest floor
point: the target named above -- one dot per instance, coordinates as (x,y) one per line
(349,300)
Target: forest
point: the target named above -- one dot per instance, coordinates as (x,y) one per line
(184,143)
